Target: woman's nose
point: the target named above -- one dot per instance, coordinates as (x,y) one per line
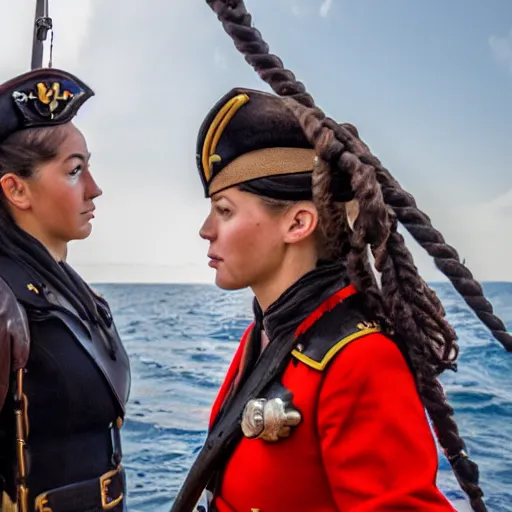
(207,231)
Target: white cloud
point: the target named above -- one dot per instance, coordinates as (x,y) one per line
(295,6)
(481,233)
(501,203)
(501,47)
(306,7)
(325,8)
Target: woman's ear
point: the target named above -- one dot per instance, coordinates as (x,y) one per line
(301,222)
(352,210)
(15,191)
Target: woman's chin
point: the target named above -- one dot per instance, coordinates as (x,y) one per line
(225,283)
(83,232)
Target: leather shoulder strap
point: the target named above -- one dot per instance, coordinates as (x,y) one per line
(31,294)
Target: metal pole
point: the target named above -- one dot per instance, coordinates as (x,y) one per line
(42,24)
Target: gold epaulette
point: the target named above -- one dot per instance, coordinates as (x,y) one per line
(319,351)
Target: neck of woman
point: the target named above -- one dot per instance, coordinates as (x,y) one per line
(288,273)
(58,249)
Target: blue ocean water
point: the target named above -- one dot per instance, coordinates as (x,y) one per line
(181,338)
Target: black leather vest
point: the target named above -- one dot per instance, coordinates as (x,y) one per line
(76,389)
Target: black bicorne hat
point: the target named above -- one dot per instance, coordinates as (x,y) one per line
(252,138)
(42,97)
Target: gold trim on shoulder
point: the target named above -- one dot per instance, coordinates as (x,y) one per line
(320,365)
(32,288)
(215,131)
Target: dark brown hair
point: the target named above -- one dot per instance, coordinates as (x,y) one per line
(404,303)
(24,150)
(21,153)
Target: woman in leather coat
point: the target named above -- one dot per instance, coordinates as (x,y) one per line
(64,374)
(323,406)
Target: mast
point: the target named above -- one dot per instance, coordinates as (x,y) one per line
(42,24)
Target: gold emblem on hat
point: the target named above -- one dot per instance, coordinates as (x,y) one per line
(51,96)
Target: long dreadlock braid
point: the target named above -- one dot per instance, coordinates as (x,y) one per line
(237,23)
(405,301)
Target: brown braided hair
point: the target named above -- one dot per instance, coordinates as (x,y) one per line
(404,302)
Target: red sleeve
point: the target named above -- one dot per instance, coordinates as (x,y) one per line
(377,446)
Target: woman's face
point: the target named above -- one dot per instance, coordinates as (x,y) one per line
(58,200)
(248,240)
(246,245)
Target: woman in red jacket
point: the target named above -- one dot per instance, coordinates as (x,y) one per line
(323,406)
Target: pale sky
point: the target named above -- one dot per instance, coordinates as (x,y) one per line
(428,84)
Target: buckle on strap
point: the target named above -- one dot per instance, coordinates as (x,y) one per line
(87,494)
(107,501)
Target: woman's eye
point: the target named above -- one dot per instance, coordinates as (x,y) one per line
(223,211)
(76,171)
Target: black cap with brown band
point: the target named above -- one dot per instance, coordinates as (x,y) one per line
(251,135)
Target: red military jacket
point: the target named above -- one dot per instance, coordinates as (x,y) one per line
(364,443)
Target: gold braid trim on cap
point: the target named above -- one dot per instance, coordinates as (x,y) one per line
(263,163)
(215,131)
